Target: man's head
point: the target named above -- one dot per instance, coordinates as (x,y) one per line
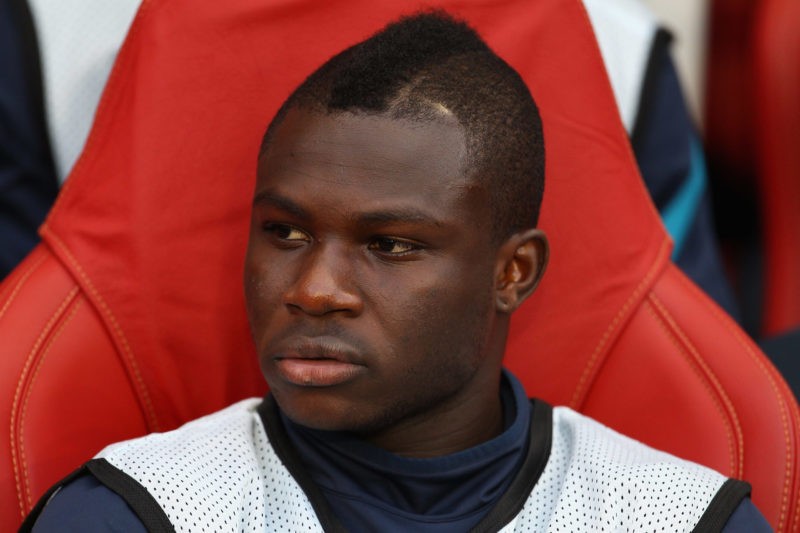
(425,68)
(393,234)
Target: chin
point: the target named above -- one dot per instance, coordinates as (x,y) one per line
(320,410)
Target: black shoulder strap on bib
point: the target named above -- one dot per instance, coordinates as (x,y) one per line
(538,453)
(725,502)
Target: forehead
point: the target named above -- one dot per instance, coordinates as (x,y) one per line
(425,153)
(366,153)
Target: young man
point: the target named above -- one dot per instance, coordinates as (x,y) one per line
(393,234)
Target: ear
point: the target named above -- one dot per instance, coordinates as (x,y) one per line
(521,262)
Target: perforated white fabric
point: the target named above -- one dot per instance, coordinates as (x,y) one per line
(220,473)
(217,473)
(599,480)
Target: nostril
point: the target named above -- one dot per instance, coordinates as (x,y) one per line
(325,283)
(293,308)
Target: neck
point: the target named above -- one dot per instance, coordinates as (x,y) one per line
(460,422)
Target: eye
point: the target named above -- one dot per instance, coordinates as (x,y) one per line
(287,233)
(391,246)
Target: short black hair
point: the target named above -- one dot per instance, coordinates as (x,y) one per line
(423,62)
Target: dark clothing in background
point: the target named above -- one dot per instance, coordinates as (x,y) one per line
(28,183)
(671,161)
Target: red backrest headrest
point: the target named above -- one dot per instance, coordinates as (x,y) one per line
(154,216)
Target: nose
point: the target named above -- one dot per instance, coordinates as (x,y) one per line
(325,283)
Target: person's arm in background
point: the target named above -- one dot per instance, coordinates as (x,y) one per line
(671,161)
(28,183)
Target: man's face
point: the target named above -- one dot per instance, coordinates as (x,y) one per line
(369,272)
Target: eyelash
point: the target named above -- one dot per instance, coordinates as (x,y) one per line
(276,229)
(375,243)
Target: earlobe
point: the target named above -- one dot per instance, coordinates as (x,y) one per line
(521,262)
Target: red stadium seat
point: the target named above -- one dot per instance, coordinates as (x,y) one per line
(776,71)
(129,317)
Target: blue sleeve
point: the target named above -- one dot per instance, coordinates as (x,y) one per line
(86,505)
(746,518)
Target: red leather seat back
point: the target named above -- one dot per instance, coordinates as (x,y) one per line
(143,253)
(776,73)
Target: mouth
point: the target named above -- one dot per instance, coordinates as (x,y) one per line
(318,363)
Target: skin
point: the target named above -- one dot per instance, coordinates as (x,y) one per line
(378,302)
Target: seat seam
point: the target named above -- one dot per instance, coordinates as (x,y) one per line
(738,336)
(682,350)
(75,305)
(591,367)
(796,519)
(128,356)
(739,469)
(15,274)
(20,282)
(20,384)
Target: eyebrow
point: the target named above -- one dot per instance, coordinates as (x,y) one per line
(371,218)
(280,202)
(396,216)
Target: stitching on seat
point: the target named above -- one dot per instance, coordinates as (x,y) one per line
(795,524)
(20,383)
(727,323)
(95,137)
(22,279)
(8,283)
(682,350)
(738,453)
(796,521)
(593,363)
(127,352)
(16,273)
(76,303)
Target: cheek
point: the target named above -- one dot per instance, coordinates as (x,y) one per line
(444,319)
(262,289)
(253,280)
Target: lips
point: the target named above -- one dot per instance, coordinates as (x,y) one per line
(317,363)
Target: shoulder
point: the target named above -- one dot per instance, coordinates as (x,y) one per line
(217,473)
(597,445)
(214,436)
(747,519)
(86,505)
(609,480)
(214,458)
